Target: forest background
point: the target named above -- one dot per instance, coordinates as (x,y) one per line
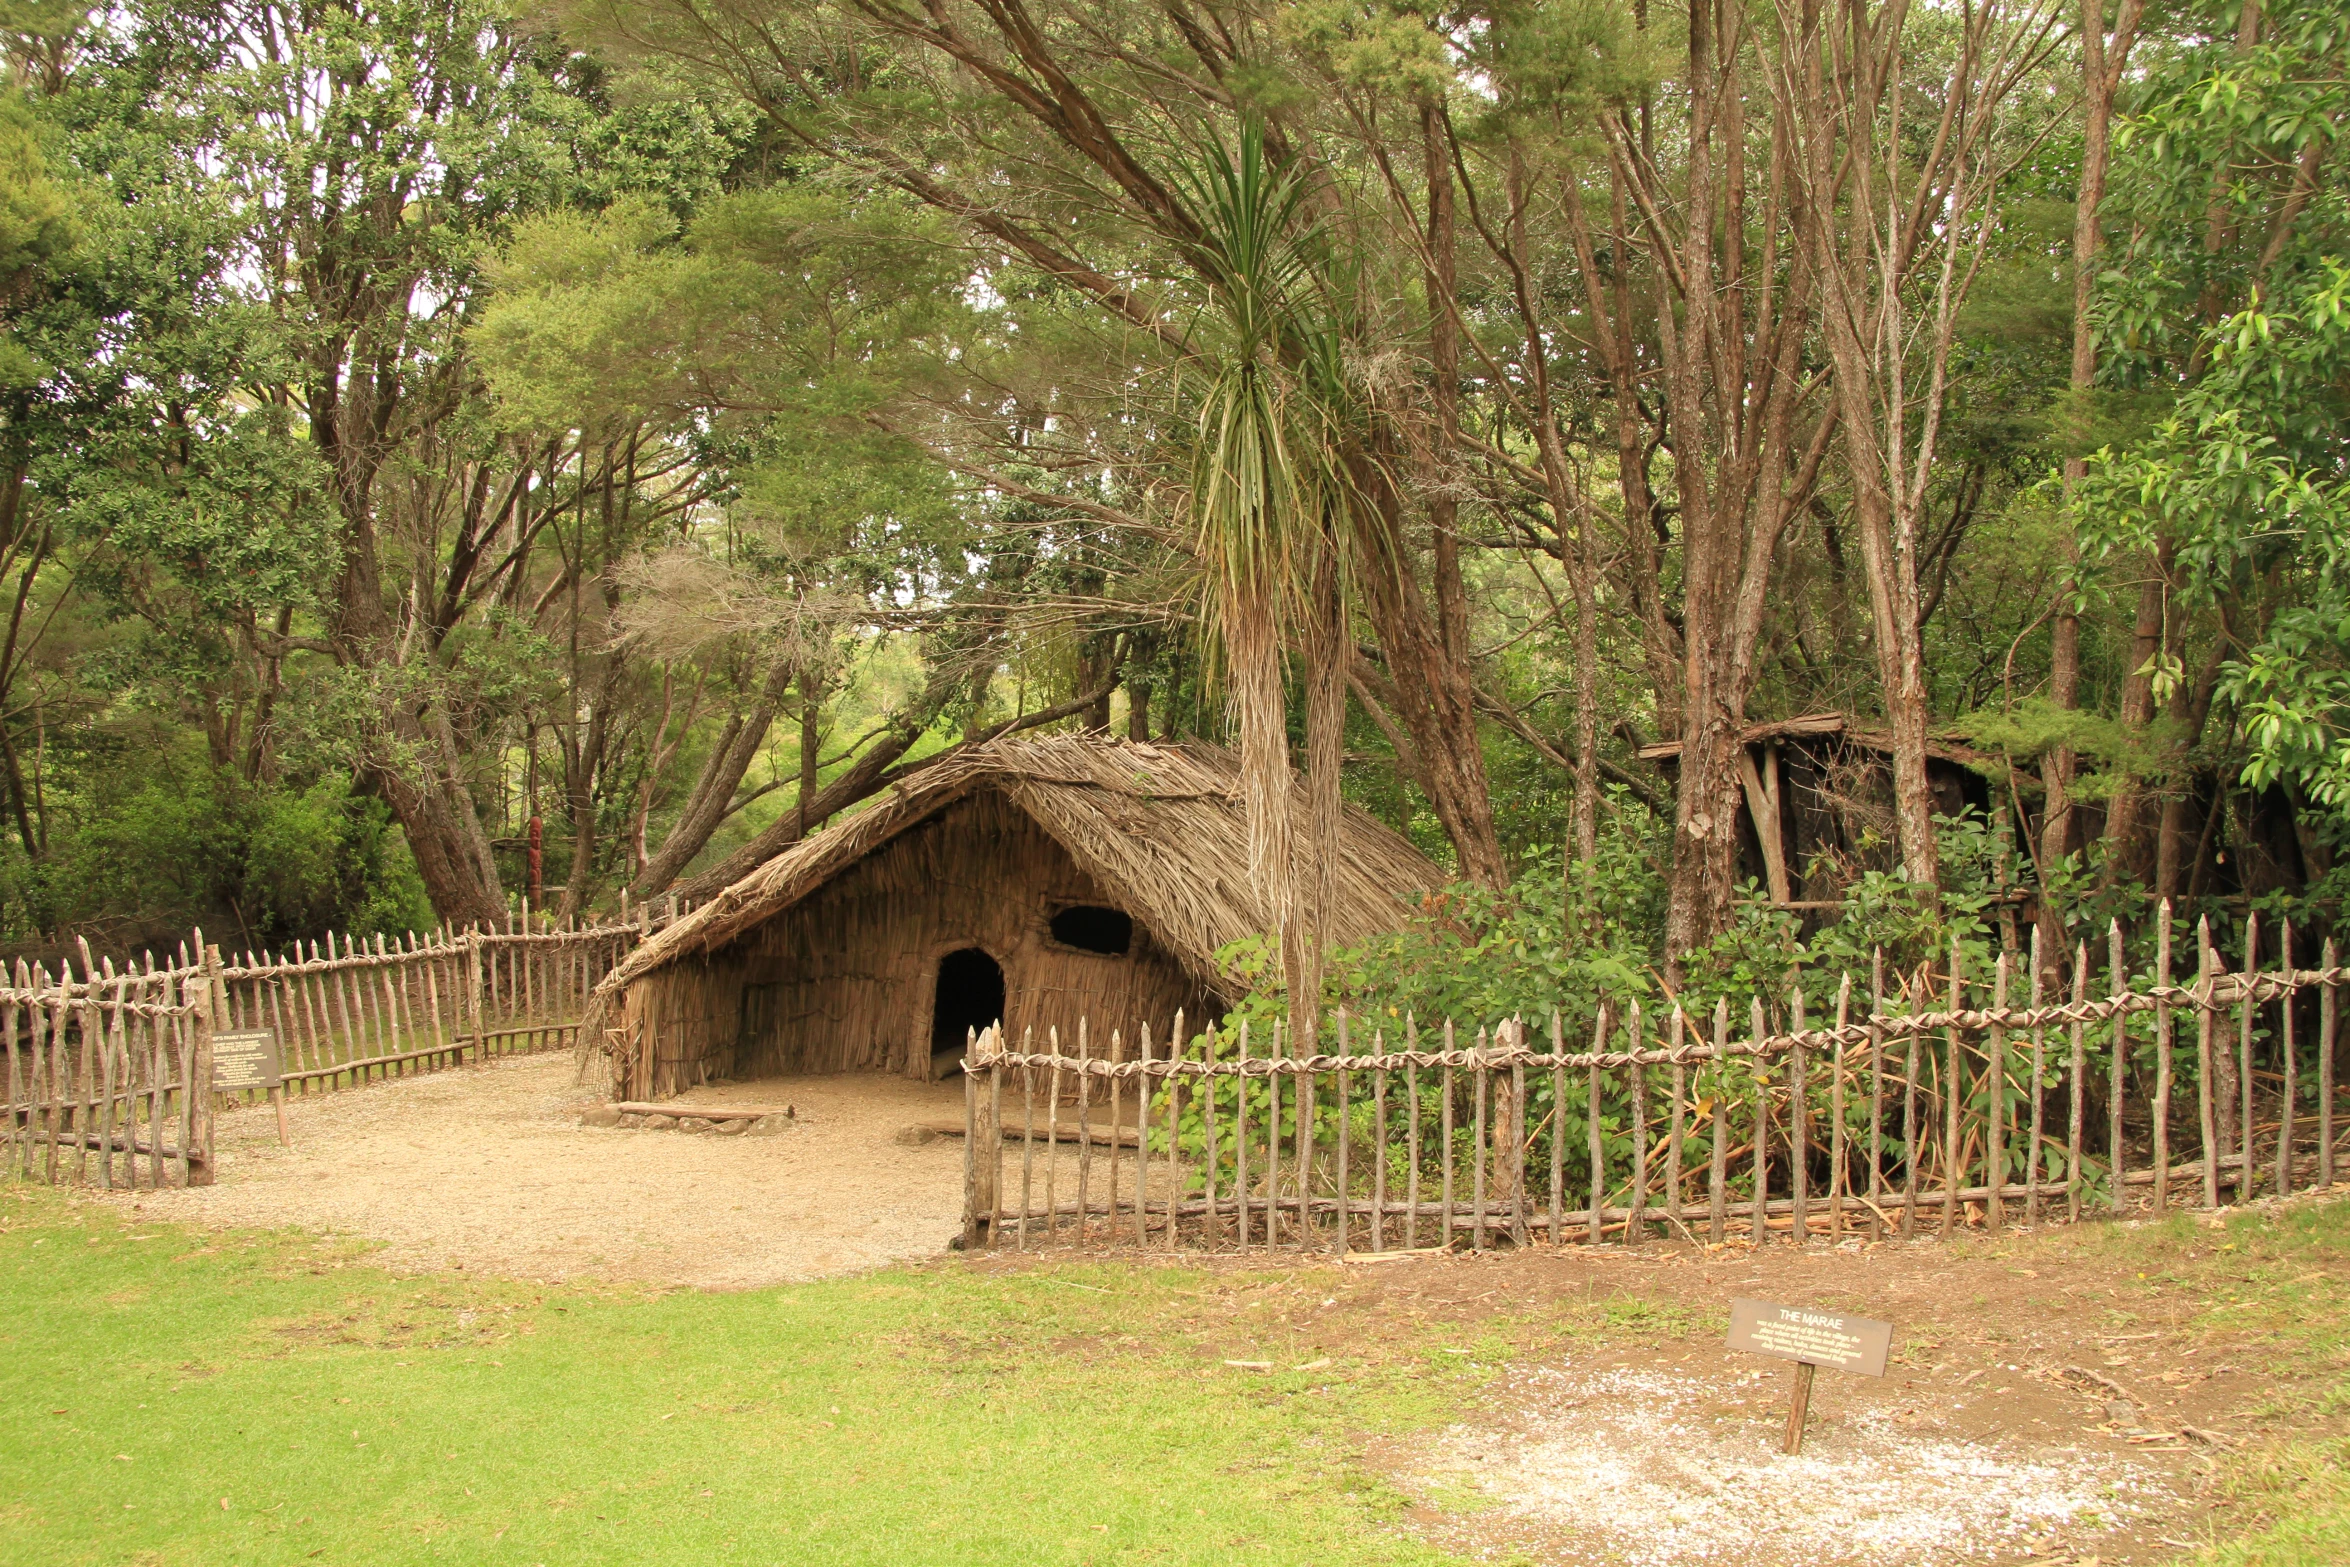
(430,429)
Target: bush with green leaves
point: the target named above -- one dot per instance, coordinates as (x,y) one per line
(144,856)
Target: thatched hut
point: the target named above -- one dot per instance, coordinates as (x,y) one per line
(1039,881)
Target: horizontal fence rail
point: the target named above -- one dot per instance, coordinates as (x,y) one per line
(1939,1109)
(99,1060)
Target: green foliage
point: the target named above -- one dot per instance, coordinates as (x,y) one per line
(1568,942)
(1475,957)
(1394,48)
(39,227)
(2235,295)
(792,300)
(170,842)
(2033,726)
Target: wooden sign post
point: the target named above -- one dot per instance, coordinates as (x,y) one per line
(1811,1338)
(247,1059)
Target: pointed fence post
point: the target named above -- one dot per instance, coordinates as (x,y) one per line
(980,1157)
(210,1014)
(2328,1009)
(2205,1009)
(473,995)
(2290,1067)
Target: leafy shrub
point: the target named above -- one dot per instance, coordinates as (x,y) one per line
(180,843)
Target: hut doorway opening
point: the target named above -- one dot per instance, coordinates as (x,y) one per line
(970,996)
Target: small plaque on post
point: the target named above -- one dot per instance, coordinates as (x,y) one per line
(1810,1337)
(245,1059)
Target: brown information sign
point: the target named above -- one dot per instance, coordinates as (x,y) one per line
(1811,1336)
(245,1059)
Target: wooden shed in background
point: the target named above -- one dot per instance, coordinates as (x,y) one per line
(1818,801)
(1039,881)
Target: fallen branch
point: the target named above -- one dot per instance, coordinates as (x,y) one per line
(1103,1136)
(2099,1379)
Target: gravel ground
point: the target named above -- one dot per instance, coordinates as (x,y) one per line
(488,1169)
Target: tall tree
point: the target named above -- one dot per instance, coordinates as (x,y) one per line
(1888,223)
(959,104)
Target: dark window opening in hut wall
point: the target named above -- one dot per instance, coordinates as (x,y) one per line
(970,996)
(1090,928)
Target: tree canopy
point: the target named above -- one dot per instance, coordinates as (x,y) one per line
(455,456)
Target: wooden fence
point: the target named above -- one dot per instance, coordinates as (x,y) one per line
(388,1009)
(99,1058)
(98,1069)
(1938,1108)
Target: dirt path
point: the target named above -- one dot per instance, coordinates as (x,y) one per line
(488,1169)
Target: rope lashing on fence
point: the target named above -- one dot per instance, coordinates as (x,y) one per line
(2211,995)
(357,960)
(100,996)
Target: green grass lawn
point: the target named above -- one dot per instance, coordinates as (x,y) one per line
(181,1398)
(178,1397)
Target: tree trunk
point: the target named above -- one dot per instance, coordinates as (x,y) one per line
(2127,839)
(2102,64)
(1328,654)
(440,843)
(1436,701)
(811,744)
(713,791)
(1891,556)
(1578,542)
(1888,547)
(1707,789)
(2176,857)
(1586,586)
(1734,388)
(10,655)
(1097,663)
(1869,337)
(581,763)
(414,754)
(1252,654)
(1432,664)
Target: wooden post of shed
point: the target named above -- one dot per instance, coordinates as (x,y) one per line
(1762,804)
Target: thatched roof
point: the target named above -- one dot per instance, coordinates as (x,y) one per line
(1160,828)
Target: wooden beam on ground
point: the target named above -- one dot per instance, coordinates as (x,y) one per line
(710,1112)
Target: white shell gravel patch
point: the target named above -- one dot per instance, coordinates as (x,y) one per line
(1660,1468)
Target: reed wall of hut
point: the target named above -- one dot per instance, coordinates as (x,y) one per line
(846,978)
